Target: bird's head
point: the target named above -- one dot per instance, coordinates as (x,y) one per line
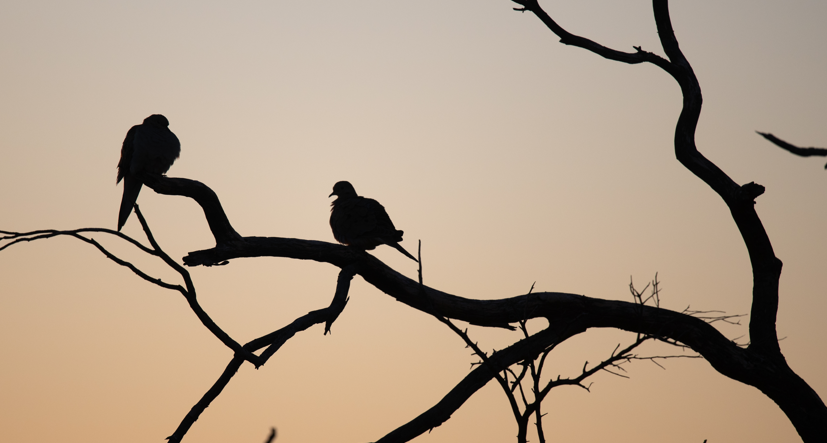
(157,120)
(343,189)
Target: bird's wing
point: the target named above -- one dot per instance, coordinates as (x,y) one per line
(125,163)
(352,220)
(362,222)
(155,149)
(384,227)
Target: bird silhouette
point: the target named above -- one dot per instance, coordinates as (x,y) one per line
(362,222)
(148,148)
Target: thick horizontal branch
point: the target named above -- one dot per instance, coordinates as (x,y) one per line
(562,309)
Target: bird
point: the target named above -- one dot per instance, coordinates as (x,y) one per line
(362,222)
(148,148)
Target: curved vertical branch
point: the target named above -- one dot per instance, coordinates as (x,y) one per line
(762,365)
(220,226)
(766,268)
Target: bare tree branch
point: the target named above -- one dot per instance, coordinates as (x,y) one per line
(802,152)
(192,300)
(188,292)
(18,237)
(476,379)
(273,342)
(567,38)
(797,399)
(612,365)
(219,224)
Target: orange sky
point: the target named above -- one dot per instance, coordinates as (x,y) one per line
(515,160)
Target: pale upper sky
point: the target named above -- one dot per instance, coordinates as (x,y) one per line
(515,160)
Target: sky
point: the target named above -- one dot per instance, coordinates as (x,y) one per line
(514,159)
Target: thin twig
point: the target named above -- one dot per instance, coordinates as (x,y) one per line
(192,299)
(802,152)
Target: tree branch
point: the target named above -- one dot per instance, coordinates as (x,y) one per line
(558,308)
(219,224)
(18,237)
(802,152)
(476,379)
(192,299)
(188,292)
(567,38)
(801,404)
(273,342)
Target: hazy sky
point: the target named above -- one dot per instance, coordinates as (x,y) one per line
(515,160)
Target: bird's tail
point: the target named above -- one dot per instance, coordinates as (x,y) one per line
(131,189)
(402,250)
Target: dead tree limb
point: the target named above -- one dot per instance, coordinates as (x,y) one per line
(219,224)
(761,365)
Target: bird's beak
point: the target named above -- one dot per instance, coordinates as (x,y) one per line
(331,194)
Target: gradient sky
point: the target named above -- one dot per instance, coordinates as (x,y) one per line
(515,160)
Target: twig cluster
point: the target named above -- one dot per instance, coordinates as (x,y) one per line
(530,370)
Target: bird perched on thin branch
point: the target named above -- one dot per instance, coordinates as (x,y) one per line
(362,222)
(148,148)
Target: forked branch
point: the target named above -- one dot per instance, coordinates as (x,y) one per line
(271,343)
(188,290)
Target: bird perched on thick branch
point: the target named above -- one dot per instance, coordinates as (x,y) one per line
(362,222)
(148,148)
